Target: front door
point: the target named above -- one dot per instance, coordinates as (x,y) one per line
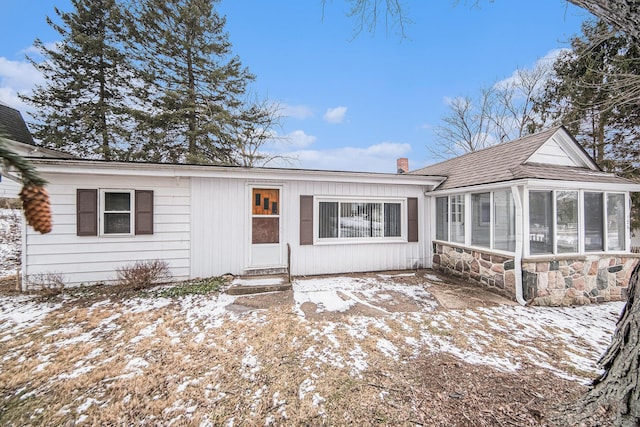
(265,228)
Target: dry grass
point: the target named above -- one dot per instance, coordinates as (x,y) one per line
(97,361)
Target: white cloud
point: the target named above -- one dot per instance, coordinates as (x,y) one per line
(374,158)
(17,77)
(299,139)
(296,111)
(295,140)
(546,63)
(335,115)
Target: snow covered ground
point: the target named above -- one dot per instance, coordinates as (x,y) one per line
(111,354)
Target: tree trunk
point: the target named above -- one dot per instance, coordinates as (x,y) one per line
(614,398)
(621,14)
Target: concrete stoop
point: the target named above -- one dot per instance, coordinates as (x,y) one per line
(246,285)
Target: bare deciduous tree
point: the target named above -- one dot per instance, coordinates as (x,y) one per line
(514,115)
(502,112)
(252,130)
(467,127)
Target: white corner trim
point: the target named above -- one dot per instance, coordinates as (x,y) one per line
(517,261)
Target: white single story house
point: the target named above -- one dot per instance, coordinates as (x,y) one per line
(535,219)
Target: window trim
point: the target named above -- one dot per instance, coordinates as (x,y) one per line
(102,211)
(317,240)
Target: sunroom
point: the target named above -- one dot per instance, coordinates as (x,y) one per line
(544,233)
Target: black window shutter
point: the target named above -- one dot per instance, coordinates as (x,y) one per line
(87,212)
(412,219)
(144,212)
(306,220)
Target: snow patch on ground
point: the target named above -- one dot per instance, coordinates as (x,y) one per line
(257,281)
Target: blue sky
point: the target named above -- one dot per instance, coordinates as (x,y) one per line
(352,103)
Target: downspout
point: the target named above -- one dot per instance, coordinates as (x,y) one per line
(517,262)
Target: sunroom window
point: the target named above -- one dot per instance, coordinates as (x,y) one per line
(442,218)
(481,219)
(359,220)
(593,222)
(540,222)
(451,215)
(564,221)
(504,221)
(616,235)
(457,218)
(567,221)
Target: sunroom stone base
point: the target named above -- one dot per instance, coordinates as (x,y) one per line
(571,280)
(487,269)
(548,281)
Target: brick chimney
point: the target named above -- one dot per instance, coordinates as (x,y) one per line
(403,165)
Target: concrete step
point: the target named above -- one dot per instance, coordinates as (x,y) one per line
(246,285)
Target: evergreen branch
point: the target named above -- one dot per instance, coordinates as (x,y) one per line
(28,173)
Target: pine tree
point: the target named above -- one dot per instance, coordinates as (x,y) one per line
(584,95)
(82,106)
(194,85)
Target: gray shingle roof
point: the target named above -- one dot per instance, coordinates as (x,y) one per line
(506,162)
(12,125)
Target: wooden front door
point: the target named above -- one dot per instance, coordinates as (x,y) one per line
(265,227)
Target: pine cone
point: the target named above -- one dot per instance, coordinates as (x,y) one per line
(35,204)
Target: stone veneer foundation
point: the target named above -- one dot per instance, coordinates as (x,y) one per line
(550,281)
(488,269)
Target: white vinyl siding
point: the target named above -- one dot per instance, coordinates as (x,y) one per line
(551,153)
(221,236)
(92,259)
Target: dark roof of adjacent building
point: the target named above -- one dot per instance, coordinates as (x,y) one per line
(12,125)
(508,161)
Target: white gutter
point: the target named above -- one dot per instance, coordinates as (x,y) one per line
(517,261)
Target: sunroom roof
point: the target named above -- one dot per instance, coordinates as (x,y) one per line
(509,161)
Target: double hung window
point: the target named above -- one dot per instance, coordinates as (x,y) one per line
(117,212)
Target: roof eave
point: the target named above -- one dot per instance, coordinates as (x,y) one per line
(179,170)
